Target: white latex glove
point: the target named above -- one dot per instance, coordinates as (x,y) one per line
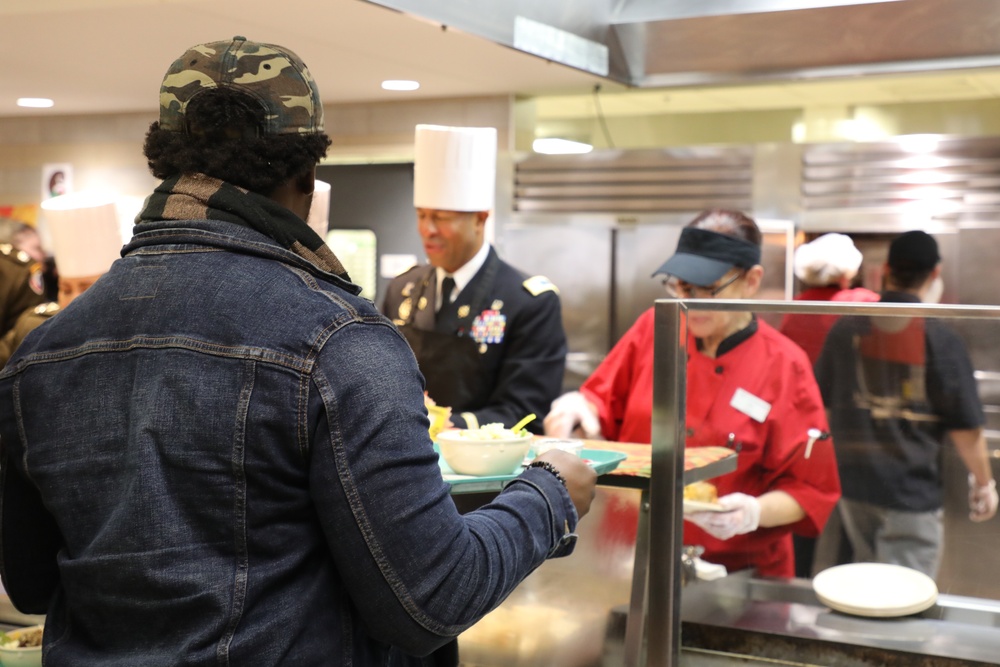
(983,500)
(744,518)
(569,411)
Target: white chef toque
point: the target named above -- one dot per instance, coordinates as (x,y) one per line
(826,260)
(455,168)
(83,233)
(319,210)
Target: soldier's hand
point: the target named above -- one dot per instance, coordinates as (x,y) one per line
(581,480)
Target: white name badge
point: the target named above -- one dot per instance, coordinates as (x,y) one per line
(753,407)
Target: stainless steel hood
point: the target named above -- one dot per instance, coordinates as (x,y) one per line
(652,43)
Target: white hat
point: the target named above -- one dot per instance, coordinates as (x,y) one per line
(84,233)
(826,260)
(319,210)
(455,168)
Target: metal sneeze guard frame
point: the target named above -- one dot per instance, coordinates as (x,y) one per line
(662,587)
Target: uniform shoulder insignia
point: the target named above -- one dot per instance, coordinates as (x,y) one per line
(50,308)
(13,254)
(538,284)
(36,281)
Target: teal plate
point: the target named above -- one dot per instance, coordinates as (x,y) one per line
(601,460)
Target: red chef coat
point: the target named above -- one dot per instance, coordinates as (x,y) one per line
(809,331)
(767,366)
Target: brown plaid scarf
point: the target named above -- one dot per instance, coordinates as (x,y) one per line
(201,197)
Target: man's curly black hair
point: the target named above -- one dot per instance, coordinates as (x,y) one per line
(226,140)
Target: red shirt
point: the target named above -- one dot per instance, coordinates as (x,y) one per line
(771,368)
(809,331)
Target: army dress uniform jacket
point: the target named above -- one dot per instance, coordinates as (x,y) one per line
(495,354)
(25,324)
(21,285)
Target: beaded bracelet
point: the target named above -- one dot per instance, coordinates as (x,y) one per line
(545,465)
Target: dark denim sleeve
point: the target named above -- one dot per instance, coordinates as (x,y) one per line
(29,536)
(418,571)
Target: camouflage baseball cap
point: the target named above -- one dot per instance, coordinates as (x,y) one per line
(273,75)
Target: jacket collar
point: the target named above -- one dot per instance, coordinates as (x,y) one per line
(224,236)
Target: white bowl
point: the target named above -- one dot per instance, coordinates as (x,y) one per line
(21,657)
(482,457)
(542,445)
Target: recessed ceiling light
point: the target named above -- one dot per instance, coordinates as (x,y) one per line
(35,102)
(400,84)
(555,146)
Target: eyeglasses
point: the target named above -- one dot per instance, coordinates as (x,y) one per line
(682,290)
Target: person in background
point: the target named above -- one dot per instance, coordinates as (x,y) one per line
(747,386)
(489,340)
(22,284)
(240,471)
(86,246)
(897,389)
(25,324)
(825,266)
(24,237)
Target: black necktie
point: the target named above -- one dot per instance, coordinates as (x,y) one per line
(447,285)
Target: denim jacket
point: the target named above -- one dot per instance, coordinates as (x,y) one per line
(218,455)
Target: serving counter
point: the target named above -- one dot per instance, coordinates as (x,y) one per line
(618,600)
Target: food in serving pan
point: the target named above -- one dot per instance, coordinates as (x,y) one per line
(490,450)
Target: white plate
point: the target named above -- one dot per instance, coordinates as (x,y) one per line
(875,589)
(701,506)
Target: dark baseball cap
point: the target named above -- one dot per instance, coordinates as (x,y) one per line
(704,256)
(272,75)
(914,251)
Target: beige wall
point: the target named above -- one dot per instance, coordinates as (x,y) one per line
(106,150)
(869,122)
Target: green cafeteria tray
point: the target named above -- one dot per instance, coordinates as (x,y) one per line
(603,462)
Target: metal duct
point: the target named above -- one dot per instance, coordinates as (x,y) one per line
(650,43)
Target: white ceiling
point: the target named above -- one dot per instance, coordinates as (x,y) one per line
(103,56)
(96,56)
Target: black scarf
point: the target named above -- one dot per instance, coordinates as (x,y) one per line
(200,197)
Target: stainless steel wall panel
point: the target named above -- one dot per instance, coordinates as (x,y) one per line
(617,205)
(646,180)
(978,272)
(930,175)
(665,175)
(641,250)
(575,254)
(636,190)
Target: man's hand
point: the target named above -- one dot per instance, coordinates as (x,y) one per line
(570,411)
(744,517)
(581,480)
(983,499)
